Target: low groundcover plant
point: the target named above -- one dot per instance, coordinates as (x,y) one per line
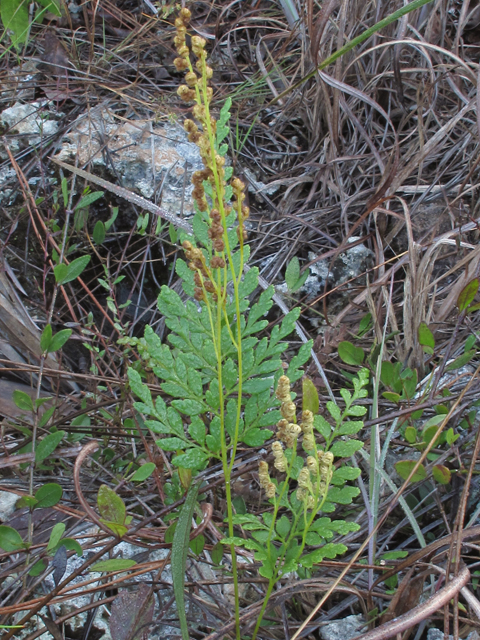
(218,373)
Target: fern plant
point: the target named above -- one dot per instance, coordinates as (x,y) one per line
(218,373)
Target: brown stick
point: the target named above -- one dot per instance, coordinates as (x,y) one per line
(423,611)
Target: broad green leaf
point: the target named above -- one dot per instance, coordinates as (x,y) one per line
(461,361)
(283,527)
(58,340)
(366,323)
(425,338)
(48,495)
(87,200)
(110,505)
(394,555)
(60,271)
(112,219)
(99,232)
(345,449)
(310,399)
(387,375)
(392,397)
(117,564)
(324,427)
(46,338)
(257,385)
(37,568)
(118,529)
(411,435)
(179,555)
(350,354)
(256,437)
(292,273)
(197,430)
(342,495)
(193,459)
(47,446)
(404,468)
(171,444)
(14,14)
(467,295)
(26,501)
(197,544)
(56,535)
(217,553)
(441,474)
(139,389)
(144,472)
(53,6)
(72,545)
(10,539)
(75,268)
(22,400)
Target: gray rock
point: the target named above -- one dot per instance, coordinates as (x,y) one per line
(343,629)
(145,155)
(436,634)
(7,504)
(33,122)
(348,266)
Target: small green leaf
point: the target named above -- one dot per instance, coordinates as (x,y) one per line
(283,527)
(292,273)
(118,529)
(48,495)
(144,472)
(87,200)
(394,555)
(53,6)
(197,544)
(71,544)
(99,232)
(110,505)
(345,449)
(310,399)
(10,539)
(350,354)
(451,437)
(441,474)
(411,435)
(239,506)
(46,338)
(60,271)
(22,400)
(75,268)
(37,568)
(217,553)
(112,219)
(48,445)
(26,501)
(404,468)
(193,459)
(426,339)
(366,323)
(56,535)
(467,295)
(117,564)
(58,340)
(393,397)
(461,361)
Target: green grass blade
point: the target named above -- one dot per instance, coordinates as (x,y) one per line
(179,555)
